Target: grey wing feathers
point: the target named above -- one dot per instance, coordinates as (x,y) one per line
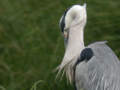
(101,72)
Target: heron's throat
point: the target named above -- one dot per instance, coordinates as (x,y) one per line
(74,46)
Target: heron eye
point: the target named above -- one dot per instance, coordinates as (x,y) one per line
(66,30)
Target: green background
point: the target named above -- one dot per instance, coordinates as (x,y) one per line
(31,44)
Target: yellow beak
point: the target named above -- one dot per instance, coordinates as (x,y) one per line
(65,34)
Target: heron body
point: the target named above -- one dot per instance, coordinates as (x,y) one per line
(100,72)
(92,67)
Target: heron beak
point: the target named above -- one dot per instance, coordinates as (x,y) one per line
(65,34)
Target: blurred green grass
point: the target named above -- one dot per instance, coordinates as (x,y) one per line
(31,45)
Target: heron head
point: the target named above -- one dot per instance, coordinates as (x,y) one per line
(75,15)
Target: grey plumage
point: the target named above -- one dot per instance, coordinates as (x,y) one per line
(101,72)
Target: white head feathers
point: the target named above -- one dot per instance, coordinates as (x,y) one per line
(76,14)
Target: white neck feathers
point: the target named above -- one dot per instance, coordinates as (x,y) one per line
(73,49)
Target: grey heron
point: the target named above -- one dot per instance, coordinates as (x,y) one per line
(92,67)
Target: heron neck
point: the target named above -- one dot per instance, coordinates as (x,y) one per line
(76,38)
(75,44)
(74,47)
